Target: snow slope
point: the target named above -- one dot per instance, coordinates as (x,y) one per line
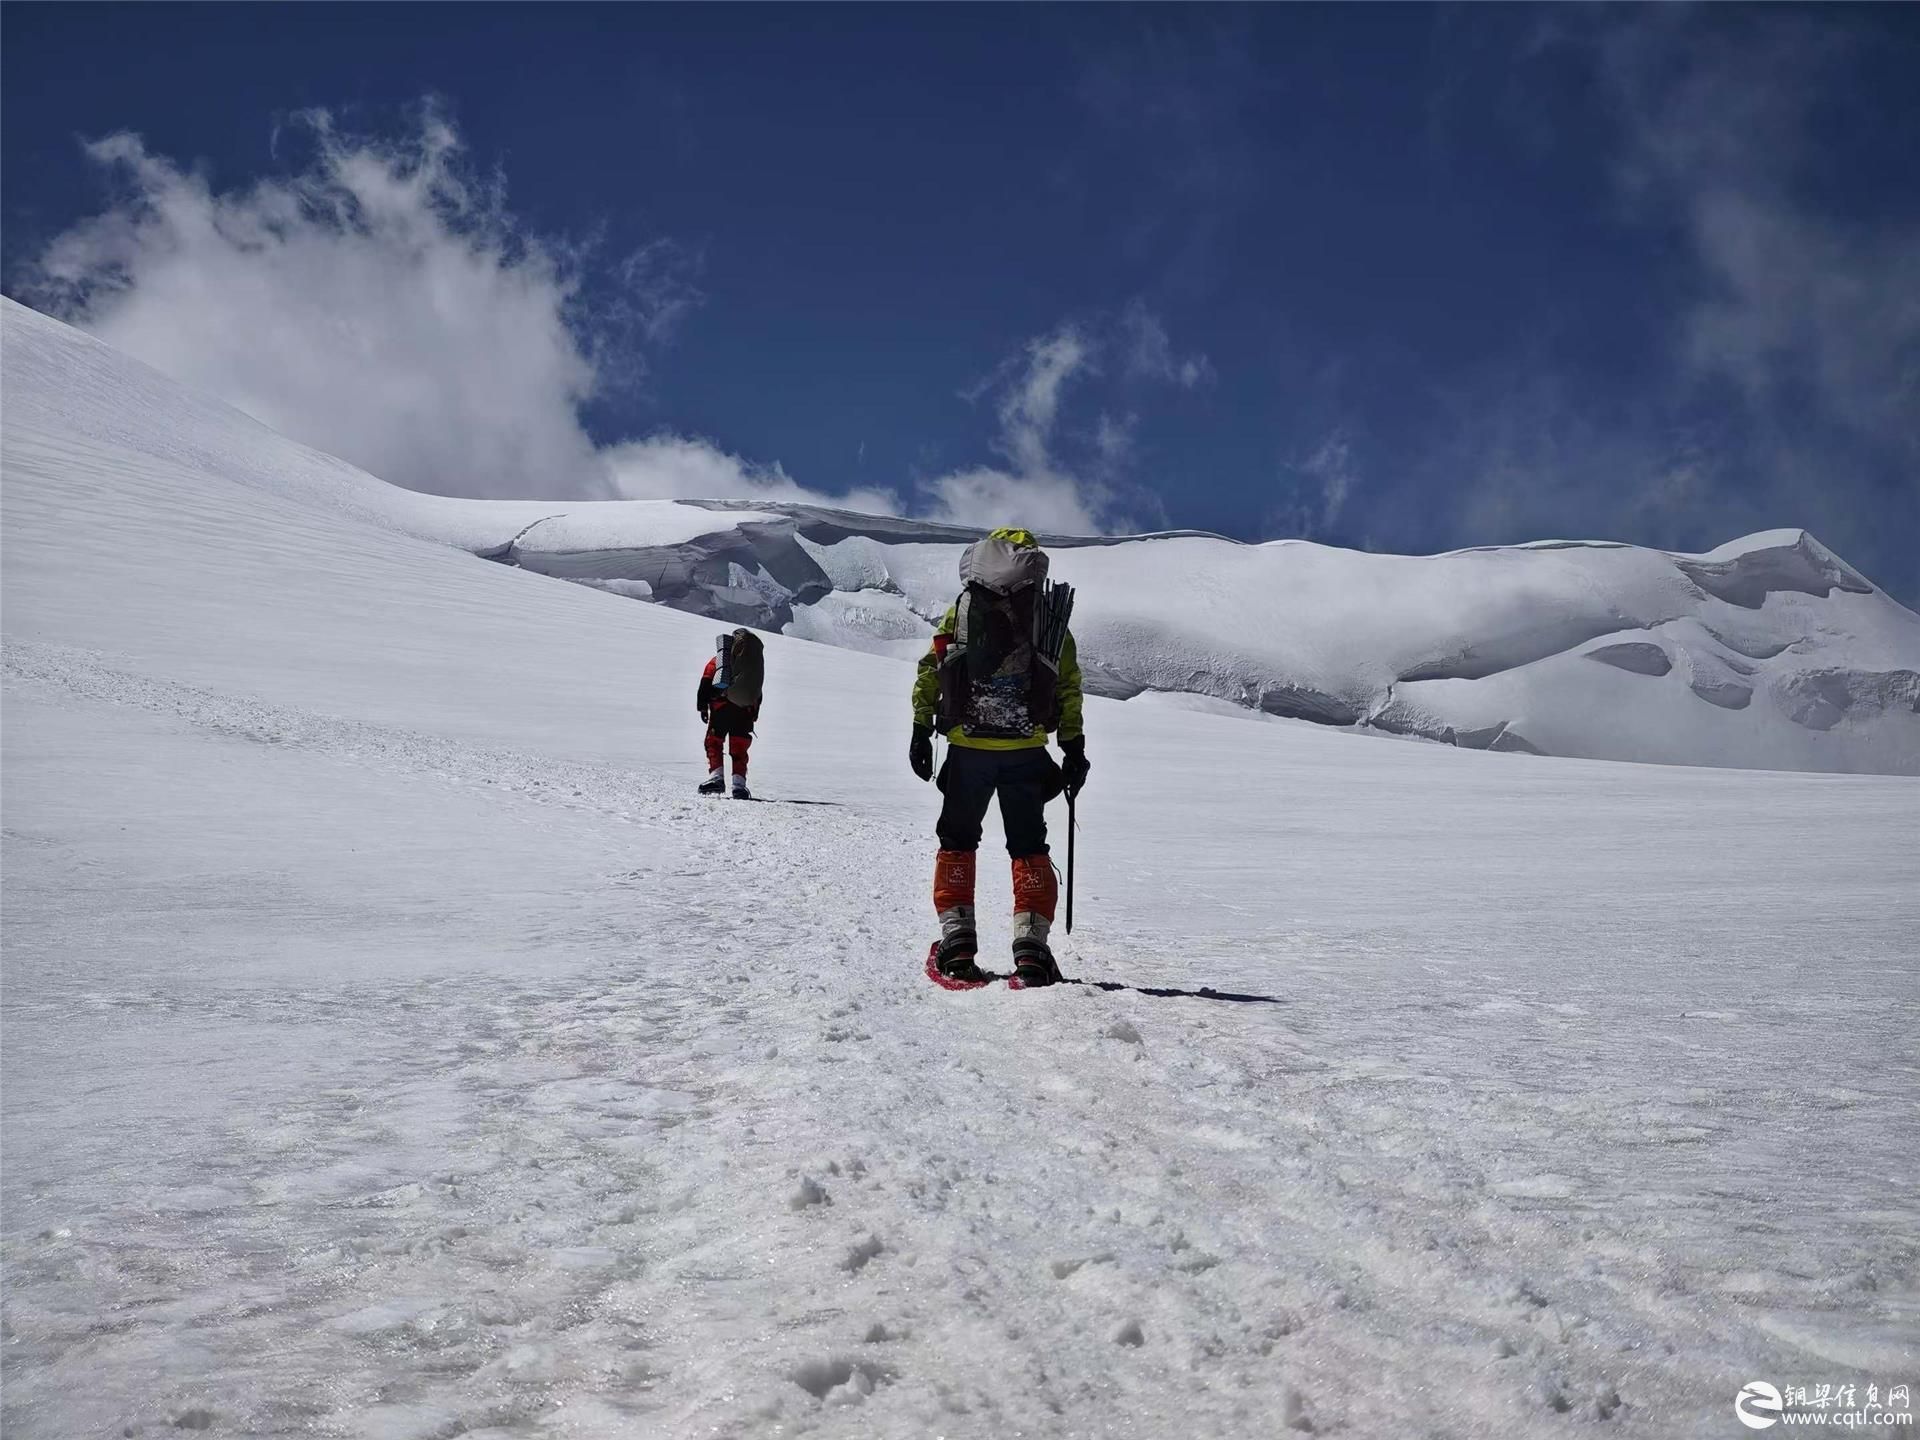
(391,1043)
(57,377)
(1768,652)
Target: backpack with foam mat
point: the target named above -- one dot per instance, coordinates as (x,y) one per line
(742,670)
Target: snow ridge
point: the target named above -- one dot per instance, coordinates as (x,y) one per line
(1776,653)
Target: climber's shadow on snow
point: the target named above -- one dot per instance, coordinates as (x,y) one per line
(1174,992)
(779,800)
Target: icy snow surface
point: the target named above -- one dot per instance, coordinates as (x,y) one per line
(396,1046)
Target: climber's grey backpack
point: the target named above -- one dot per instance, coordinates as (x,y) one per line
(999,677)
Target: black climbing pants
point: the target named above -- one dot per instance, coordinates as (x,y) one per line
(1025,780)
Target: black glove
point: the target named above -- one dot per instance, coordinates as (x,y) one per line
(1074,766)
(703,715)
(920,752)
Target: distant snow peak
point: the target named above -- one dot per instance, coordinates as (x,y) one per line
(1768,652)
(1745,572)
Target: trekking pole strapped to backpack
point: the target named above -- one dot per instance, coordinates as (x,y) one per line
(1073,827)
(1050,620)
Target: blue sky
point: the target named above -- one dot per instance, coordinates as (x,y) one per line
(1401,277)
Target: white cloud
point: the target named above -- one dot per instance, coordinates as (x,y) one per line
(382,304)
(987,497)
(679,467)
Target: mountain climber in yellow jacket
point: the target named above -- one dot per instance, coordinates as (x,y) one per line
(1000,675)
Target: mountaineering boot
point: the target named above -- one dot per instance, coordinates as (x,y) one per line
(957,961)
(740,791)
(1034,966)
(953,903)
(714,783)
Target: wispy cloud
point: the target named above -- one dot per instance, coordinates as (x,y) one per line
(1149,350)
(1067,479)
(1113,438)
(382,303)
(1317,487)
(1027,390)
(1030,407)
(1807,316)
(1168,103)
(1782,383)
(1798,300)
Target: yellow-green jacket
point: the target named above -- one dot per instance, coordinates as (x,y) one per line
(926,694)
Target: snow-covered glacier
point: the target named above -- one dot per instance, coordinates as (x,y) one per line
(396,1045)
(1769,652)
